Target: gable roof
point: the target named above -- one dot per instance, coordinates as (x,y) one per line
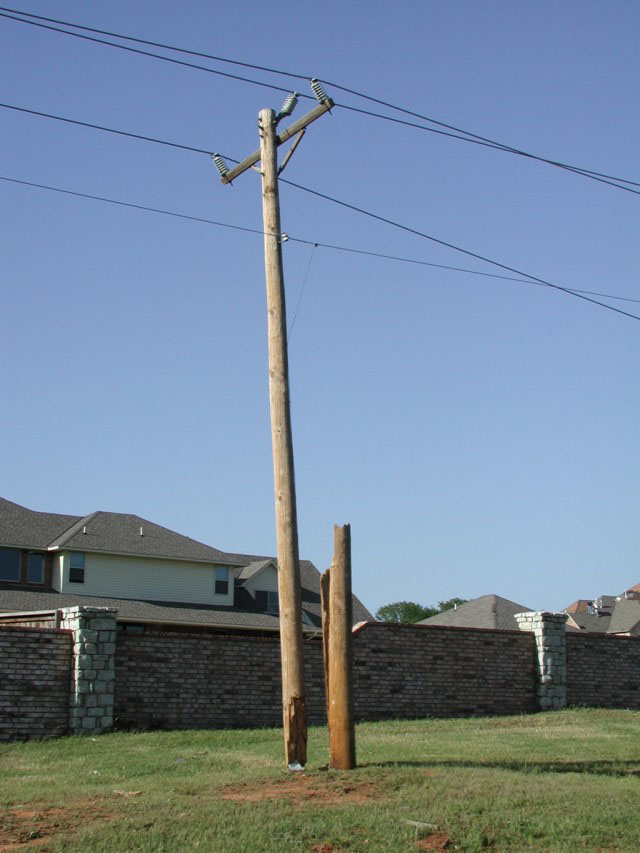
(254,569)
(487,611)
(102,532)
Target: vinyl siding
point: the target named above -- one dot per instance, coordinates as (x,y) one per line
(267,580)
(58,568)
(146,578)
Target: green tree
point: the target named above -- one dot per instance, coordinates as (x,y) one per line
(404,611)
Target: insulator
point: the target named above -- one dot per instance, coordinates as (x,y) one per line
(220,165)
(318,91)
(289,105)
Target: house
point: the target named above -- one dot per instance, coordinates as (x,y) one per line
(607,614)
(152,575)
(487,611)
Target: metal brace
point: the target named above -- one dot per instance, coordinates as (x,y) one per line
(291,150)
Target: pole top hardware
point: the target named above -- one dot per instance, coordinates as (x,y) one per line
(318,91)
(288,107)
(324,106)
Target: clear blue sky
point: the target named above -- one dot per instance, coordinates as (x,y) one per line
(479,435)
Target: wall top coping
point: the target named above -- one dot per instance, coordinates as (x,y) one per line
(542,614)
(82,609)
(395,626)
(36,629)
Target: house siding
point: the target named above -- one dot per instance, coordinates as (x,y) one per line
(267,580)
(146,579)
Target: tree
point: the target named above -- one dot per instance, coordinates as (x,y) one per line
(407,612)
(404,611)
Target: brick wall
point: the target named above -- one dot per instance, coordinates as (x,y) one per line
(178,680)
(170,679)
(35,667)
(603,671)
(430,670)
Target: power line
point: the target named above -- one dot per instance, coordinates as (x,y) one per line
(467,137)
(107,129)
(315,244)
(346,205)
(455,248)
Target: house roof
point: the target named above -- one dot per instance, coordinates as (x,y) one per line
(103,532)
(606,614)
(625,616)
(487,611)
(580,605)
(590,621)
(25,528)
(253,569)
(130,610)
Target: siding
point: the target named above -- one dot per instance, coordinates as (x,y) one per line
(146,578)
(267,580)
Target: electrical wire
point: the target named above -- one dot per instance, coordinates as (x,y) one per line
(467,137)
(304,284)
(315,244)
(349,206)
(107,129)
(455,248)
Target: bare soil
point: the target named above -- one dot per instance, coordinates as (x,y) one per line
(302,789)
(24,828)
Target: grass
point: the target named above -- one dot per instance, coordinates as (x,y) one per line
(566,780)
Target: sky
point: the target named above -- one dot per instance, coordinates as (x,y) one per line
(479,434)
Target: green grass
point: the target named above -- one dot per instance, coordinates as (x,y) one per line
(565,780)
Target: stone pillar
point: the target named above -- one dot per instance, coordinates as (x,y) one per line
(93,671)
(551,647)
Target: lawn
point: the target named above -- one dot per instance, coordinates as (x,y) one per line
(566,780)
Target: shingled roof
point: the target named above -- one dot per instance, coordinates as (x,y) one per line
(606,614)
(487,611)
(101,532)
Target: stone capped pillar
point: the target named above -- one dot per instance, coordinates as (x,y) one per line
(93,672)
(551,647)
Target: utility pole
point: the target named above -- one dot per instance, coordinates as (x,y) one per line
(294,712)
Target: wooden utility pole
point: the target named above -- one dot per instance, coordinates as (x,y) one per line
(294,709)
(293,693)
(339,683)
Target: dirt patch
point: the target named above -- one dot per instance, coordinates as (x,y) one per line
(31,827)
(435,841)
(304,789)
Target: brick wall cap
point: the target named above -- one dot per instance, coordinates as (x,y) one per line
(394,626)
(81,609)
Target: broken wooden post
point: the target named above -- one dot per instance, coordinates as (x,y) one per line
(342,741)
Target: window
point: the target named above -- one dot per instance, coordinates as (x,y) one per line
(221,580)
(76,568)
(267,600)
(35,568)
(10,564)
